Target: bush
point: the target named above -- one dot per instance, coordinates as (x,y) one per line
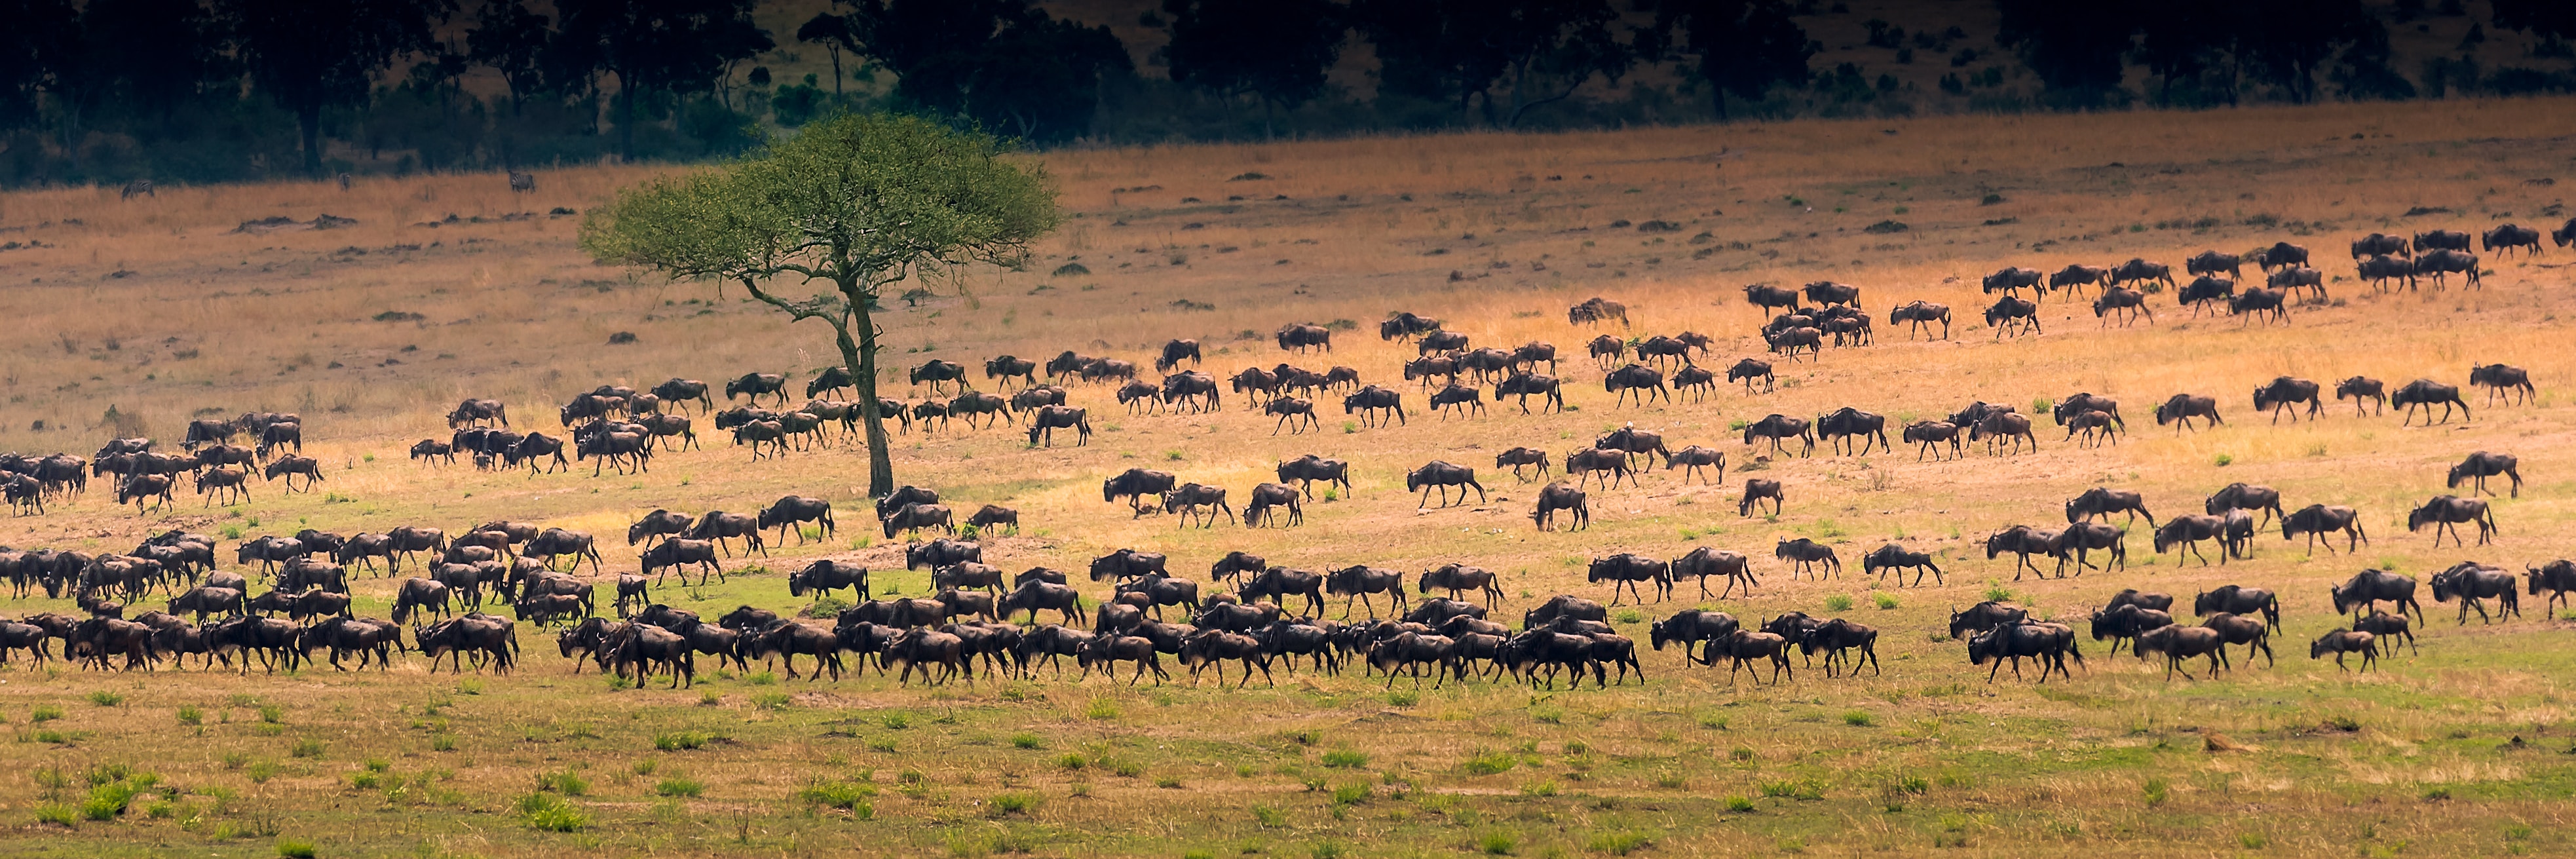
(1101,709)
(770,700)
(1838,603)
(1857,719)
(1620,843)
(838,794)
(1014,803)
(190,715)
(1351,794)
(293,849)
(106,698)
(679,741)
(1490,763)
(1739,804)
(1026,741)
(563,782)
(1886,602)
(58,815)
(1346,759)
(546,812)
(44,713)
(677,787)
(1498,844)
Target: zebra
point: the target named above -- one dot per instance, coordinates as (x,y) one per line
(137,188)
(522,181)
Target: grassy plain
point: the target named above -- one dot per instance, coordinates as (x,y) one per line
(160,309)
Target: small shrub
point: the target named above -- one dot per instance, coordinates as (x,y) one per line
(1071,762)
(1886,602)
(564,782)
(1998,593)
(1026,741)
(1270,817)
(838,794)
(677,787)
(770,700)
(1498,844)
(679,741)
(293,849)
(443,743)
(1167,782)
(1101,709)
(1490,763)
(306,748)
(58,815)
(1539,788)
(1739,804)
(261,772)
(1857,719)
(1405,698)
(1620,843)
(1351,794)
(1014,803)
(190,715)
(2225,460)
(1838,603)
(106,698)
(44,713)
(2157,791)
(1346,759)
(272,714)
(546,812)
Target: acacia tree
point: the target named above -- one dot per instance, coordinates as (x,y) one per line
(820,226)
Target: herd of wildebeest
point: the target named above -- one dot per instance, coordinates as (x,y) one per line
(1275,615)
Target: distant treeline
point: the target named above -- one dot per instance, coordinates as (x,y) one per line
(107,91)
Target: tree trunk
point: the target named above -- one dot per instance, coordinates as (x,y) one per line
(308,121)
(625,119)
(860,355)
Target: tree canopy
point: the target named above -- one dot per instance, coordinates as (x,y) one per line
(820,225)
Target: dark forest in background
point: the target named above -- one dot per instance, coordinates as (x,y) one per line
(179,91)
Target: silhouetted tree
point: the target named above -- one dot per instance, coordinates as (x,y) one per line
(1744,47)
(2286,41)
(511,40)
(1539,51)
(1275,50)
(655,46)
(833,33)
(2075,47)
(2181,39)
(2545,17)
(312,54)
(1002,63)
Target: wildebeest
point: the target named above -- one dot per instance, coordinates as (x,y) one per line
(2246,496)
(679,553)
(1748,370)
(478,413)
(2366,589)
(2342,641)
(1894,557)
(1368,401)
(1461,398)
(2045,643)
(2181,408)
(1404,324)
(1756,489)
(2075,277)
(1357,582)
(2284,393)
(2473,584)
(1804,554)
(1558,496)
(2004,424)
(1607,350)
(2506,238)
(2258,301)
(1628,569)
(2213,262)
(1931,433)
(2138,270)
(2239,600)
(2281,255)
(1301,337)
(1766,296)
(1443,475)
(2316,520)
(2379,270)
(1174,351)
(2012,279)
(1789,341)
(1637,379)
(792,510)
(2178,643)
(1775,427)
(1985,616)
(2122,622)
(2445,512)
(753,385)
(290,466)
(1135,485)
(1048,419)
(2203,290)
(1305,470)
(2010,314)
(1279,583)
(1847,423)
(2558,577)
(2184,533)
(2502,379)
(935,372)
(1457,579)
(1259,508)
(1596,309)
(1526,384)
(1189,499)
(2129,301)
(2442,263)
(916,517)
(1583,463)
(1916,314)
(2302,277)
(1441,341)
(2360,388)
(1693,458)
(2427,393)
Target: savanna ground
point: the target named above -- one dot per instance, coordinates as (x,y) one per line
(158,308)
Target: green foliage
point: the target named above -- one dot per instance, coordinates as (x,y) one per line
(294,849)
(563,781)
(678,787)
(1618,843)
(1014,803)
(1346,759)
(106,698)
(1498,844)
(850,795)
(1026,741)
(190,715)
(546,812)
(58,815)
(679,741)
(43,713)
(2157,791)
(1857,719)
(1739,804)
(1885,601)
(1490,762)
(1838,603)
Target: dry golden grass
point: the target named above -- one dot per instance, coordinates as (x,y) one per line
(512,311)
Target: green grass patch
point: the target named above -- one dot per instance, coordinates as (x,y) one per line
(546,812)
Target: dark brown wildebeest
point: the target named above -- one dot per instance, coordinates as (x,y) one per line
(972,403)
(1642,381)
(1692,626)
(2342,641)
(2506,238)
(1775,427)
(2441,264)
(1789,341)
(2427,393)
(992,516)
(1766,296)
(2181,408)
(1067,364)
(915,517)
(2010,314)
(2368,588)
(1756,489)
(2283,394)
(2138,270)
(1458,397)
(2319,519)
(1628,569)
(1279,583)
(1607,350)
(2096,427)
(936,372)
(2377,244)
(2239,600)
(1698,381)
(2473,584)
(430,449)
(1301,337)
(2131,301)
(1255,381)
(720,526)
(2565,234)
(1894,557)
(1260,508)
(2213,262)
(212,483)
(753,385)
(678,391)
(1916,314)
(557,542)
(1135,485)
(1804,554)
(2281,255)
(2361,388)
(1458,579)
(2379,270)
(2258,301)
(1847,423)
(1582,463)
(1140,395)
(1743,646)
(1558,496)
(2010,280)
(1441,341)
(1985,616)
(418,595)
(1355,584)
(205,431)
(2558,577)
(2236,629)
(2445,512)
(2004,424)
(1693,458)
(1489,364)
(2123,622)
(1234,566)
(1173,352)
(792,510)
(1048,419)
(1305,470)
(1827,292)
(1525,358)
(1126,564)
(291,465)
(679,553)
(2075,277)
(1747,370)
(2045,643)
(2178,643)
(478,413)
(2201,291)
(1001,369)
(1369,401)
(2502,379)
(1191,388)
(660,523)
(1836,638)
(1429,367)
(2184,533)
(1098,369)
(1187,499)
(2301,277)
(1596,309)
(1931,433)
(1404,324)
(1632,441)
(1525,384)
(2246,496)
(1519,457)
(1443,475)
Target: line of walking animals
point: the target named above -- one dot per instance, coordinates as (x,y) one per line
(220,468)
